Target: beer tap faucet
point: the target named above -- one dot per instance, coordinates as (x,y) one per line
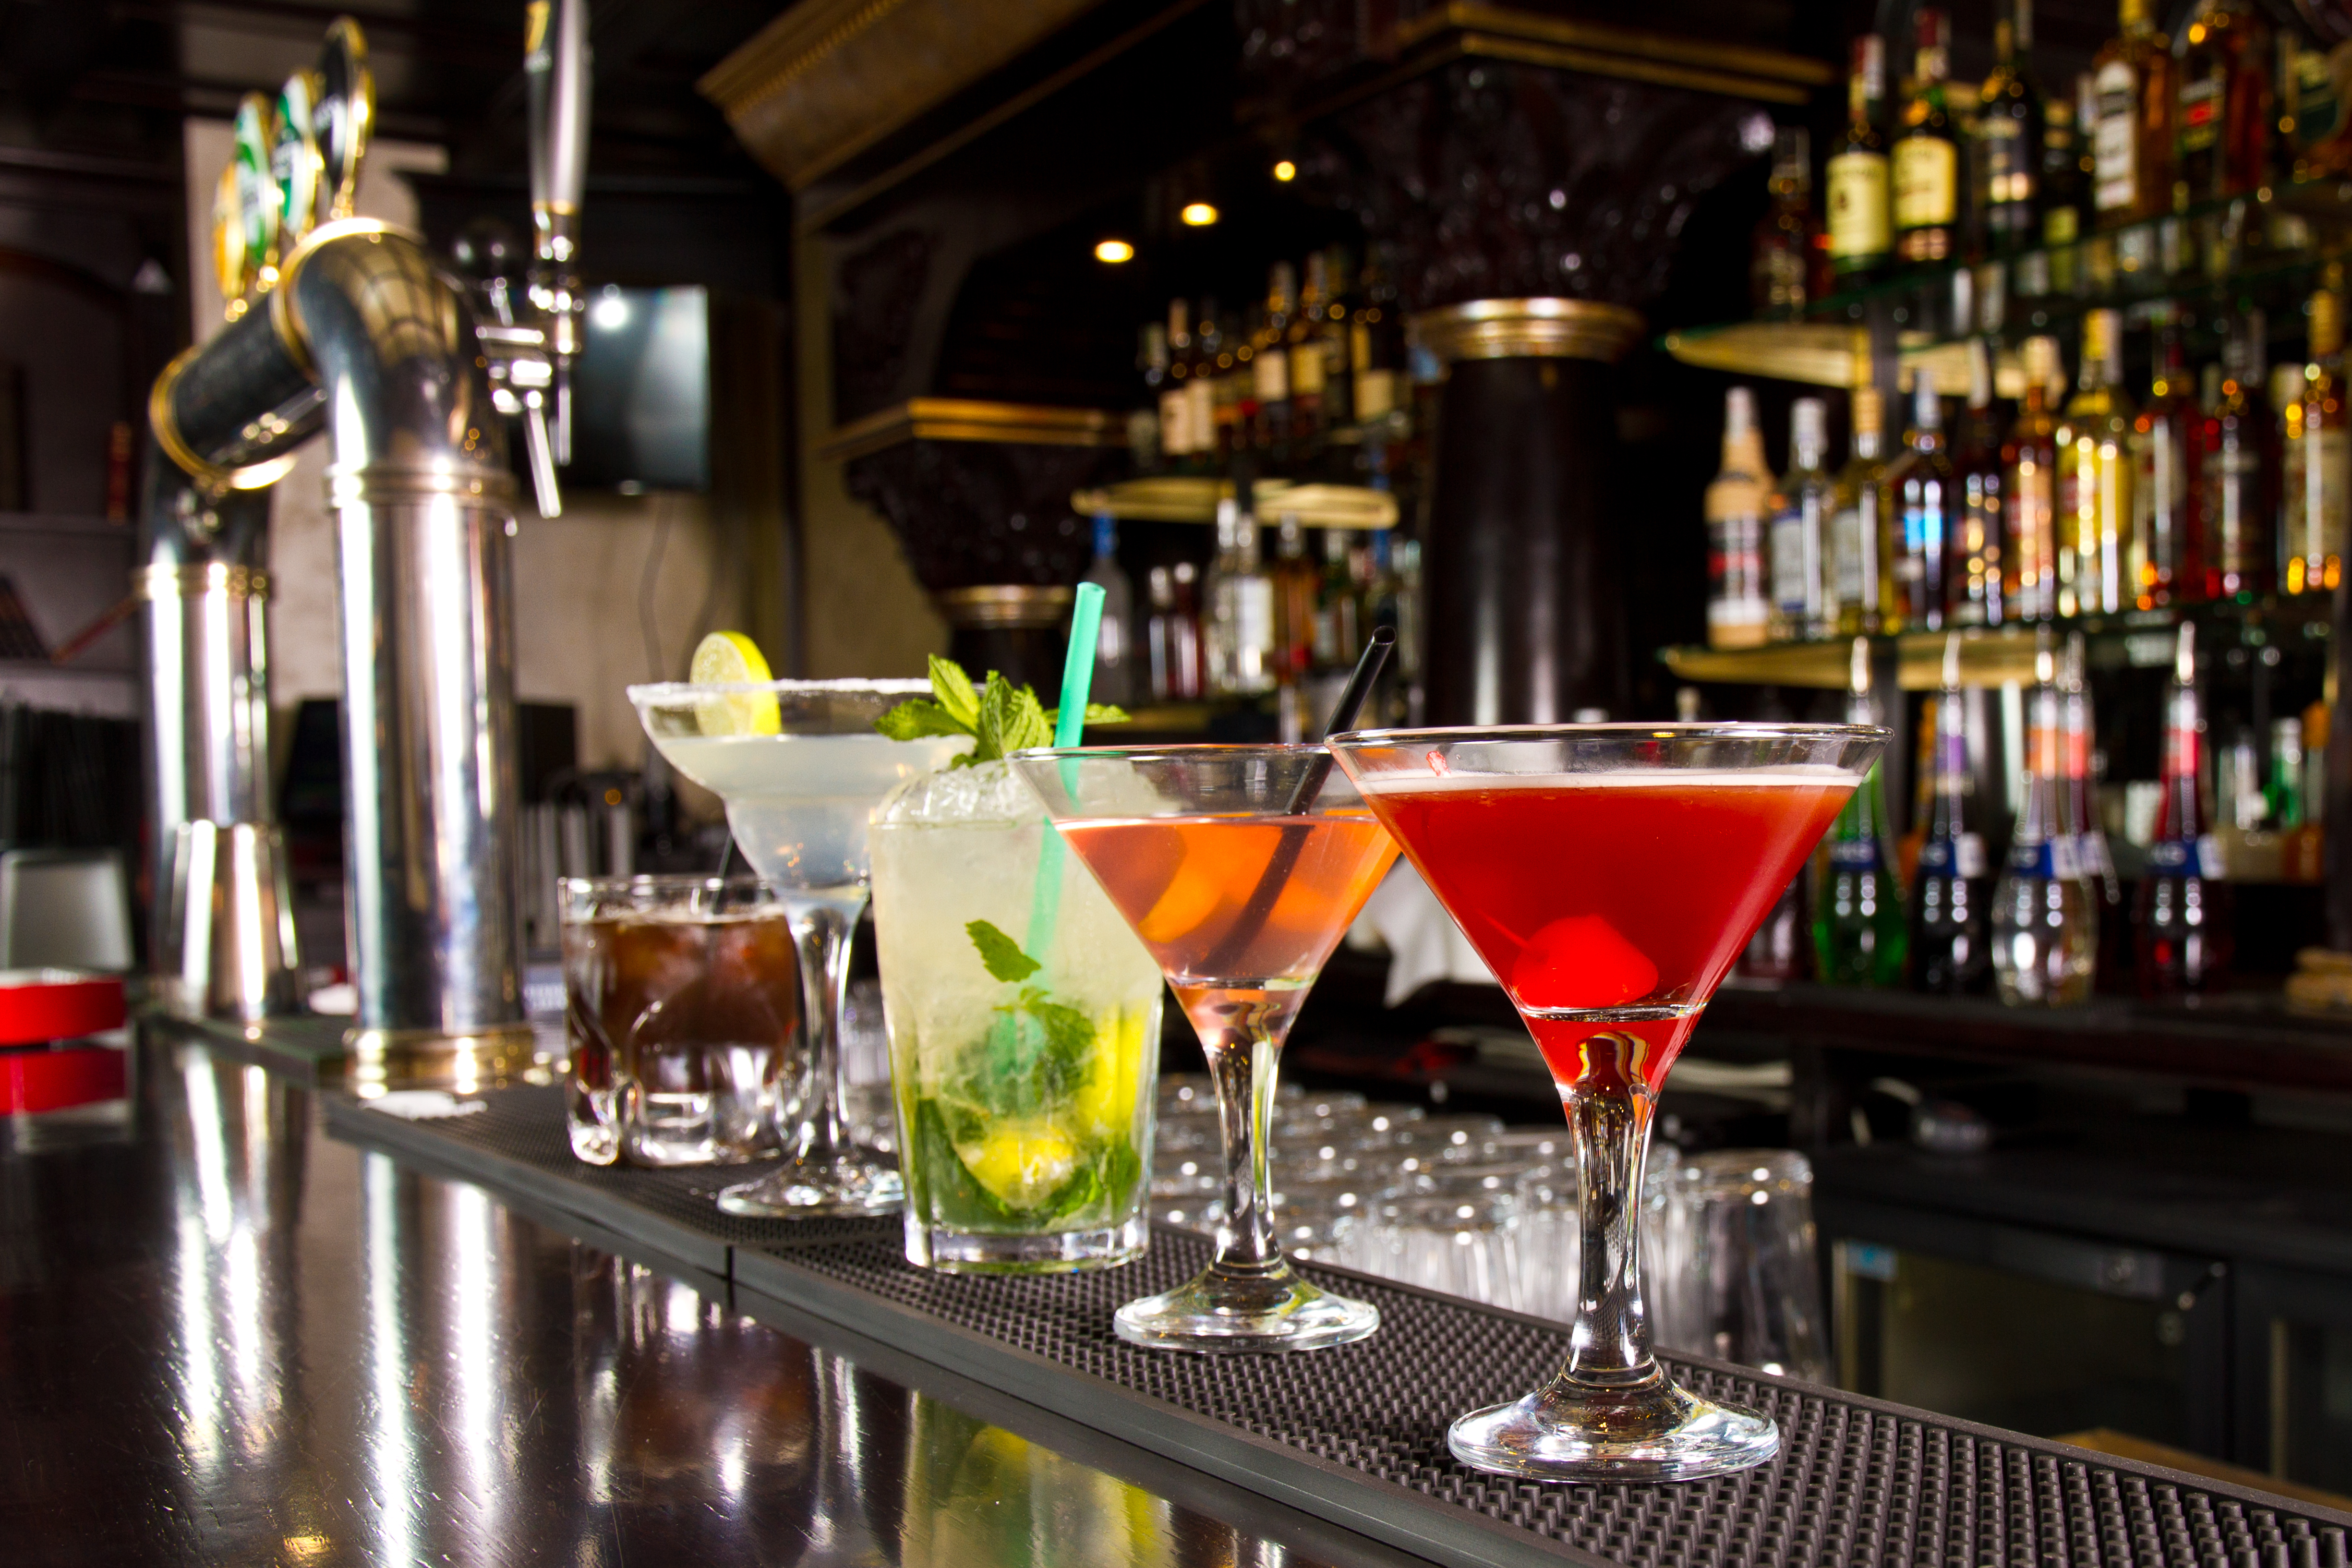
(557,67)
(516,354)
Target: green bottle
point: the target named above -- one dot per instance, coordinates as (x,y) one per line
(1860,932)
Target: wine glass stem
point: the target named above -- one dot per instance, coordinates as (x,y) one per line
(1610,1123)
(820,934)
(1243,1064)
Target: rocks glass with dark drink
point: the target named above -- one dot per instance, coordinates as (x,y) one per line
(682,1018)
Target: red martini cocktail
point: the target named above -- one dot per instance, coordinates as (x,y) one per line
(1609,875)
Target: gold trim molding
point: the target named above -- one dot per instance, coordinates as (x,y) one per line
(963,419)
(1008,605)
(1530,329)
(828,78)
(1602,48)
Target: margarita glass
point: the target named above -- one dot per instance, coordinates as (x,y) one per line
(1240,868)
(800,768)
(1610,874)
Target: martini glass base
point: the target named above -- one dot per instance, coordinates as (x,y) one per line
(1651,1431)
(848,1183)
(1220,1313)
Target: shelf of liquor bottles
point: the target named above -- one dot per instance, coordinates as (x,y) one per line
(2004,656)
(2188,270)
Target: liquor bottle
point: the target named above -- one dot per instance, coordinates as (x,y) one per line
(2046,919)
(1303,343)
(1201,389)
(1338,371)
(2285,791)
(1234,391)
(2164,476)
(1252,593)
(1270,369)
(1926,156)
(2030,459)
(1952,938)
(2222,128)
(2066,161)
(1859,932)
(1220,606)
(1862,528)
(1376,341)
(2237,464)
(1115,646)
(1175,393)
(2181,931)
(1781,948)
(1781,271)
(2315,461)
(1801,505)
(1738,610)
(1972,586)
(2095,473)
(1860,216)
(2132,141)
(1339,634)
(1158,636)
(1187,649)
(1927,510)
(2081,742)
(2007,156)
(1294,604)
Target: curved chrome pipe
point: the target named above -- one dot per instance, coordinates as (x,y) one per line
(366,335)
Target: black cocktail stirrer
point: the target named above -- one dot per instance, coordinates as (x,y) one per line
(1254,914)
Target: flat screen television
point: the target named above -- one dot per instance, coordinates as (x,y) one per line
(641,392)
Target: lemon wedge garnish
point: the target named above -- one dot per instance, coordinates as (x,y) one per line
(1021,1164)
(732,658)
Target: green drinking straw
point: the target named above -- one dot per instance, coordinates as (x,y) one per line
(1069,725)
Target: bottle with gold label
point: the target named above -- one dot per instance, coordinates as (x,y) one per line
(2164,477)
(2237,471)
(2006,157)
(2030,459)
(2221,131)
(1926,156)
(1200,396)
(1859,217)
(1303,342)
(2132,141)
(1175,401)
(1270,364)
(2095,475)
(1861,528)
(2315,460)
(1376,340)
(1738,607)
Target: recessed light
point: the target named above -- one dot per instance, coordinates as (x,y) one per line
(1286,170)
(1113,251)
(1200,215)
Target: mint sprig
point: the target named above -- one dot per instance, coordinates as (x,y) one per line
(1000,716)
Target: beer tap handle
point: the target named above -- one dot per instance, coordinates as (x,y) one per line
(556,69)
(516,354)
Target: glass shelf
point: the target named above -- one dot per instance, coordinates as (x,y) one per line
(1998,655)
(2263,249)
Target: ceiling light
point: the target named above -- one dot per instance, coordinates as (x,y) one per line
(1286,170)
(1113,251)
(1200,215)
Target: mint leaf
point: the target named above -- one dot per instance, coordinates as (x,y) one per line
(1002,954)
(1069,1034)
(1023,725)
(952,687)
(1097,713)
(914,719)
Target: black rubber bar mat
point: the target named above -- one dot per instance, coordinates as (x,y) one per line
(517,1141)
(1356,1434)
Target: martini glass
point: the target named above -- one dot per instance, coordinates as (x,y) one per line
(1240,868)
(1610,874)
(800,768)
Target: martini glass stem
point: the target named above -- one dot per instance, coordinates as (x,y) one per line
(820,934)
(1609,1120)
(1244,1063)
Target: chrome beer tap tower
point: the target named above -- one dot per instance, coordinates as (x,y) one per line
(348,325)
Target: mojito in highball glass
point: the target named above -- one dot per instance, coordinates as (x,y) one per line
(1025,1033)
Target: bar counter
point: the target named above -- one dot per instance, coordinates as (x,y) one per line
(230,1338)
(235,1335)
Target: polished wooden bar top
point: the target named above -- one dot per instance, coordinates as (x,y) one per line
(225,1338)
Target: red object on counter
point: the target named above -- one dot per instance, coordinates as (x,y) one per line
(37,1006)
(70,1074)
